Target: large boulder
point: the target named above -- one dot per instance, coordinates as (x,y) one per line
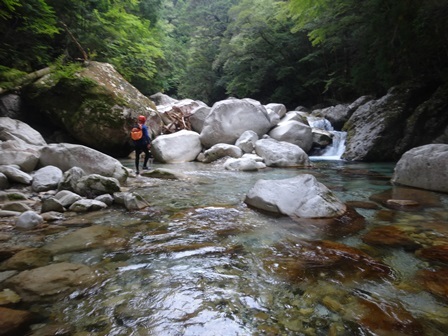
(408,116)
(12,129)
(219,151)
(230,118)
(198,116)
(182,146)
(294,132)
(16,152)
(281,154)
(301,196)
(338,115)
(424,167)
(46,178)
(65,156)
(96,107)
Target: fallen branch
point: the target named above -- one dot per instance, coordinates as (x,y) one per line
(78,45)
(31,77)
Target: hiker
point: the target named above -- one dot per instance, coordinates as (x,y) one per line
(142,143)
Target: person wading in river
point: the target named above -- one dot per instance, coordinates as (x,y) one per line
(142,143)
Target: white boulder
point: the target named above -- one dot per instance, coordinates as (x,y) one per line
(301,196)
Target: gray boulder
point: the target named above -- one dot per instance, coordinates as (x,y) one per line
(278,109)
(134,201)
(182,146)
(281,154)
(221,150)
(243,164)
(84,205)
(424,167)
(65,156)
(67,197)
(301,196)
(15,152)
(51,204)
(46,178)
(297,116)
(28,220)
(230,118)
(16,175)
(4,183)
(294,132)
(198,116)
(70,178)
(12,129)
(11,106)
(94,185)
(247,141)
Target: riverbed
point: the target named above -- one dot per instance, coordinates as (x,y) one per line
(198,261)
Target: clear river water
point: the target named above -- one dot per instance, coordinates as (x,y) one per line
(201,262)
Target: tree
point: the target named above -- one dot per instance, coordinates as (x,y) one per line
(205,23)
(27,27)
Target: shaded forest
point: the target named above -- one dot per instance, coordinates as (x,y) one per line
(296,52)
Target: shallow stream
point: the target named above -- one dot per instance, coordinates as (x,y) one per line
(200,262)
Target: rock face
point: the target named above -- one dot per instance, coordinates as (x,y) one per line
(230,118)
(301,196)
(97,107)
(424,167)
(410,115)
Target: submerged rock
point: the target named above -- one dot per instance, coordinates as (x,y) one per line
(53,280)
(435,282)
(390,236)
(15,322)
(86,239)
(314,260)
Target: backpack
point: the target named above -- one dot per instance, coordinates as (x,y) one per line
(136,133)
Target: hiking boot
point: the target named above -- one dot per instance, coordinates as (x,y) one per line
(137,172)
(145,168)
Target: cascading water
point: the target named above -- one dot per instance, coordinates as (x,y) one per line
(334,150)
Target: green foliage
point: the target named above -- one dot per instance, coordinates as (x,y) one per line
(8,77)
(27,26)
(205,23)
(62,70)
(118,32)
(289,51)
(7,7)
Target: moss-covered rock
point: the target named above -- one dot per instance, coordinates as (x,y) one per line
(96,107)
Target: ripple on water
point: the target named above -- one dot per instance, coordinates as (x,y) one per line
(199,262)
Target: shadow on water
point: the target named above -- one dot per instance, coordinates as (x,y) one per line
(200,262)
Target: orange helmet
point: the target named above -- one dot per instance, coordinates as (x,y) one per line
(142,119)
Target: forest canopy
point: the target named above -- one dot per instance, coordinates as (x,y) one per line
(294,52)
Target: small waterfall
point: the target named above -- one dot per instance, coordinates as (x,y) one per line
(333,151)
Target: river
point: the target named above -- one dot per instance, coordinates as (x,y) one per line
(200,262)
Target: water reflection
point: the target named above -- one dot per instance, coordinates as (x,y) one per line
(199,262)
